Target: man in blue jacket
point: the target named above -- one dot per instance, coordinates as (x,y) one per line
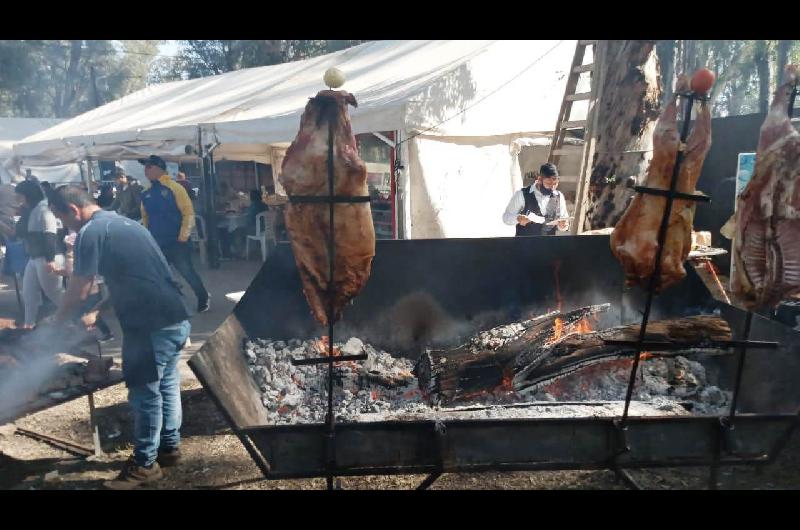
(168,213)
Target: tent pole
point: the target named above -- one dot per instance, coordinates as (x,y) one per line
(209,207)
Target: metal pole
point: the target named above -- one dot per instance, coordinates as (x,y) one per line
(210,213)
(98,449)
(662,232)
(330,419)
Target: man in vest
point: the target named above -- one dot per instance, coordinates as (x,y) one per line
(540,209)
(168,213)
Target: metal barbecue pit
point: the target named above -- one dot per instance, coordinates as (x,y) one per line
(480,283)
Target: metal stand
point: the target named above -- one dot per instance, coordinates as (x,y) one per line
(726,424)
(329,110)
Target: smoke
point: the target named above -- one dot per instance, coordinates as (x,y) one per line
(37,364)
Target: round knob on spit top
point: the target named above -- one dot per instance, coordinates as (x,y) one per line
(334,77)
(702,80)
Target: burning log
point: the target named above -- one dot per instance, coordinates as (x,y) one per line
(575,352)
(552,347)
(491,358)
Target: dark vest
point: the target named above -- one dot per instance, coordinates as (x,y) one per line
(532,206)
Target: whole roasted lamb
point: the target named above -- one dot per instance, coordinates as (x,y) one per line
(766,248)
(305,173)
(634,240)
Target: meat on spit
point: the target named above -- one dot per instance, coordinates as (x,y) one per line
(634,240)
(305,173)
(766,250)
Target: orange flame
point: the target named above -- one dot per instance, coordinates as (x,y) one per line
(583,326)
(321,347)
(558,329)
(645,355)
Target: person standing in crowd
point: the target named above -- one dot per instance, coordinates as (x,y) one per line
(106,197)
(540,209)
(129,196)
(39,236)
(150,309)
(169,215)
(181,179)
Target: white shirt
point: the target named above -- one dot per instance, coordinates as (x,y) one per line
(517,203)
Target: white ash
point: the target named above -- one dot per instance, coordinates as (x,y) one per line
(295,394)
(383,388)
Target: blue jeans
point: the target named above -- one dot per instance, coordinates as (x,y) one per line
(156,406)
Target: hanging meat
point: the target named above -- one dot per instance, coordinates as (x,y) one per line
(766,248)
(634,240)
(305,173)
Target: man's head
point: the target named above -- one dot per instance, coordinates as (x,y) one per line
(548,177)
(154,167)
(73,206)
(181,176)
(30,192)
(121,177)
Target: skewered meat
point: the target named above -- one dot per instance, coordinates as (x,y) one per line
(305,172)
(634,241)
(767,244)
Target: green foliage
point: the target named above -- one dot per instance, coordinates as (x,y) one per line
(739,88)
(200,58)
(61,78)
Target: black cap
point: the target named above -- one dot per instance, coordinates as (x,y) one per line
(548,170)
(154,160)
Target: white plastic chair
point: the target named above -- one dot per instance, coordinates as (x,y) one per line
(265,234)
(199,235)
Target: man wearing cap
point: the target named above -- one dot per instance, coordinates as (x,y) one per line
(539,209)
(168,213)
(153,318)
(129,196)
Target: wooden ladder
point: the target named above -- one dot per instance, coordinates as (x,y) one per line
(564,124)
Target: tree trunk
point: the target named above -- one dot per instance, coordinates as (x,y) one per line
(665,49)
(762,67)
(628,110)
(783,58)
(71,78)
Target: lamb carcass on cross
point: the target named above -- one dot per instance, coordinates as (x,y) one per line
(305,173)
(766,248)
(634,240)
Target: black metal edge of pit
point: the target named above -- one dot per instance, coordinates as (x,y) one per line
(260,460)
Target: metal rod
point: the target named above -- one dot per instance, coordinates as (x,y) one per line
(676,194)
(662,232)
(748,321)
(429,480)
(98,449)
(320,360)
(60,443)
(330,420)
(317,199)
(624,476)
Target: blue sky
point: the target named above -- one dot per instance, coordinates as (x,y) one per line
(169,48)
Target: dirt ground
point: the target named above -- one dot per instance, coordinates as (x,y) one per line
(215,459)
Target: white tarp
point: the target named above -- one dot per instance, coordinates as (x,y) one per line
(485,88)
(15,129)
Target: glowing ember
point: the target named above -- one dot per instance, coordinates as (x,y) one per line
(321,346)
(558,329)
(583,326)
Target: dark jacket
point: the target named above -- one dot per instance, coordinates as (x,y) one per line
(129,201)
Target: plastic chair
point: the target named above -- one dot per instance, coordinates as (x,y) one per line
(265,234)
(199,235)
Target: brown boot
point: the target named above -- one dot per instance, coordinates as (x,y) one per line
(133,475)
(168,457)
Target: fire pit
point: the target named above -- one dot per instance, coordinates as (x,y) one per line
(431,295)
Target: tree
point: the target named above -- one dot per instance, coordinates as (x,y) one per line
(54,78)
(628,109)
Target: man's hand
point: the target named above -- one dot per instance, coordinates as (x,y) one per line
(563,224)
(521,219)
(89,319)
(51,267)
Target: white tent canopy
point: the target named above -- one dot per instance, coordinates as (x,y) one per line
(460,105)
(501,87)
(15,129)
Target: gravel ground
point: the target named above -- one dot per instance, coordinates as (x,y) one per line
(215,459)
